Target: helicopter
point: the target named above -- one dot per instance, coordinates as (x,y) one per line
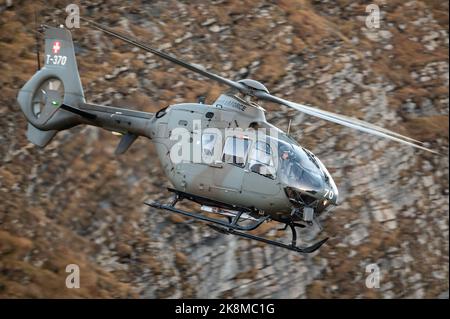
(247,179)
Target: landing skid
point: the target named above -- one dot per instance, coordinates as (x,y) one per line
(303,250)
(232,226)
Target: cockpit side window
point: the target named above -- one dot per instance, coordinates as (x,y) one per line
(261,160)
(235,151)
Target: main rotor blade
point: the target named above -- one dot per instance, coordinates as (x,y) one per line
(344,120)
(370,125)
(168,57)
(326,115)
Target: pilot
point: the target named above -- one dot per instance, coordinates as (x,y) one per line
(285,161)
(285,152)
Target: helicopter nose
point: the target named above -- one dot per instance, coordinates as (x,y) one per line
(330,192)
(329,197)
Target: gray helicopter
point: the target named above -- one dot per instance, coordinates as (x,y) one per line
(245,182)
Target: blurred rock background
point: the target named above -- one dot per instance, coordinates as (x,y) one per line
(75,202)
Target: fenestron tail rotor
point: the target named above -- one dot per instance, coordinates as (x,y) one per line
(256,89)
(50,94)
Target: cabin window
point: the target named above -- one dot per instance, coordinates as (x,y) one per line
(235,150)
(208,144)
(261,160)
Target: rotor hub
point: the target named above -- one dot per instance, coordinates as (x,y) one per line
(255,85)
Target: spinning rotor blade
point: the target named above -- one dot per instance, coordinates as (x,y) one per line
(263,95)
(344,120)
(166,56)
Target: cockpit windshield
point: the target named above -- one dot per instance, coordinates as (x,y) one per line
(298,168)
(305,159)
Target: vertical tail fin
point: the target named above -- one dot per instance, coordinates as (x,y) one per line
(56,84)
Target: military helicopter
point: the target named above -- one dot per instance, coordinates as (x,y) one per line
(246,182)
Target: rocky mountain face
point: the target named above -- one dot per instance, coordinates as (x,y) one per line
(75,202)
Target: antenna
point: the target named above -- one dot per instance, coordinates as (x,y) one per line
(289,126)
(38,58)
